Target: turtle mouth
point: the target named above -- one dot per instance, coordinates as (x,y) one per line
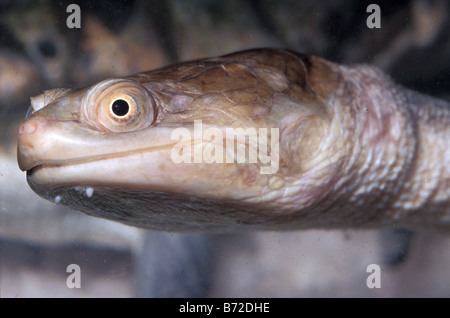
(37,164)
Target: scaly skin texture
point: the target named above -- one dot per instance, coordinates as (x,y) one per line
(355,149)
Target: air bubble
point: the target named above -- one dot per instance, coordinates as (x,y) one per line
(89,192)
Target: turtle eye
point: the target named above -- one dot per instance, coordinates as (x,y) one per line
(123,108)
(120,107)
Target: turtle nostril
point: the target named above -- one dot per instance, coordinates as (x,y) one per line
(27,128)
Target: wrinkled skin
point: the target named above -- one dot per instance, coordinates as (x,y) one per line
(355,150)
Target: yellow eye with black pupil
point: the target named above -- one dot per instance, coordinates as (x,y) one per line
(120,107)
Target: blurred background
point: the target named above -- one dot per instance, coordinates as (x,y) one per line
(38,239)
